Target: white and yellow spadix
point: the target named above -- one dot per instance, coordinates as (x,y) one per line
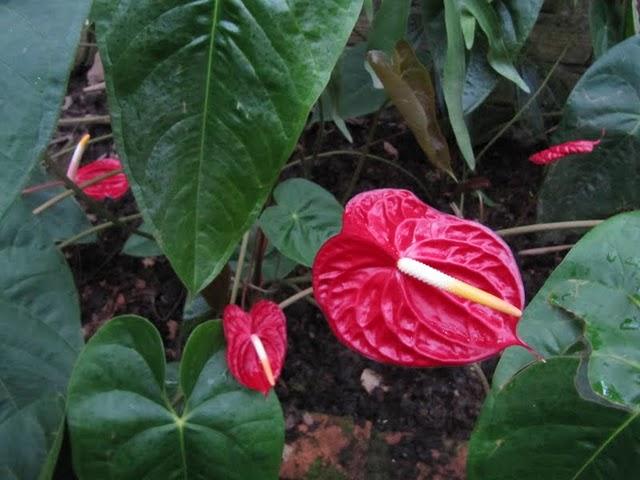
(436,278)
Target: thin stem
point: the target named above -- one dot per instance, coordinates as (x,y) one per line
(309,163)
(42,186)
(545,250)
(355,178)
(353,153)
(477,369)
(545,227)
(525,107)
(87,120)
(67,193)
(96,229)
(64,151)
(239,265)
(294,298)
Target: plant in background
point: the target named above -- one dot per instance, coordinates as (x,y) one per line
(208,100)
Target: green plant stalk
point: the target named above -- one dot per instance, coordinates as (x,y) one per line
(64,151)
(545,227)
(96,229)
(363,154)
(524,108)
(67,193)
(239,265)
(370,156)
(294,298)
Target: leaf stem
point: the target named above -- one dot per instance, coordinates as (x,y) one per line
(524,108)
(239,265)
(477,369)
(377,158)
(545,227)
(64,151)
(294,298)
(364,153)
(67,193)
(529,252)
(96,229)
(87,120)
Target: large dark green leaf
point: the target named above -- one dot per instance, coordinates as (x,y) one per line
(38,41)
(409,86)
(607,256)
(304,217)
(123,426)
(40,338)
(538,427)
(607,98)
(208,99)
(611,317)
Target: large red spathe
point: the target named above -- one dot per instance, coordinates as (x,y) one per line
(387,316)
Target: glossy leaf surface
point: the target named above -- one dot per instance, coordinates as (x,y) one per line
(39,40)
(606,99)
(40,338)
(606,256)
(390,317)
(208,99)
(112,187)
(538,427)
(454,71)
(610,315)
(122,424)
(267,321)
(516,18)
(409,86)
(139,246)
(304,217)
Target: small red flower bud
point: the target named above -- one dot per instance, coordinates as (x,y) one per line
(556,152)
(112,187)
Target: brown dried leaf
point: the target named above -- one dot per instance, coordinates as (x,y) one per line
(409,86)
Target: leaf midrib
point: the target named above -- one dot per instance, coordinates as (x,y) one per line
(203,129)
(606,443)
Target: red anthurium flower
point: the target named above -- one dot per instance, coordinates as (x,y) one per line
(403,283)
(556,152)
(256,344)
(112,187)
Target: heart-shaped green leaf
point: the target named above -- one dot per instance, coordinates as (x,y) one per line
(304,217)
(38,41)
(539,427)
(607,256)
(606,99)
(611,316)
(40,338)
(208,99)
(123,426)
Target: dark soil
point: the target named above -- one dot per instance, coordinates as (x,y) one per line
(434,406)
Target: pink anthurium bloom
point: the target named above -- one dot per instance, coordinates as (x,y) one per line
(405,284)
(113,187)
(256,344)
